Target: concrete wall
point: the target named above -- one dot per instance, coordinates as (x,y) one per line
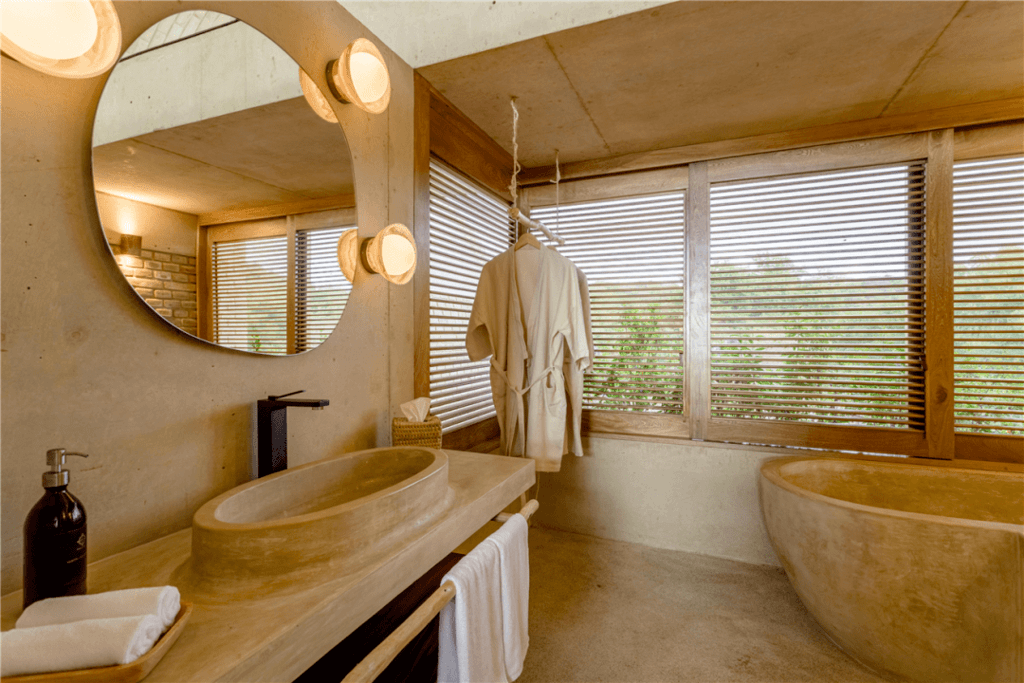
(79,348)
(161,229)
(701,498)
(226,70)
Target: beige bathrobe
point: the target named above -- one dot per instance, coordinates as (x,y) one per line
(574,376)
(527,318)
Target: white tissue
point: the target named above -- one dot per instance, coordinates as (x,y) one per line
(161,601)
(78,645)
(417,409)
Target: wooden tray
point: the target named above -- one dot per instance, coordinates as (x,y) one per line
(123,673)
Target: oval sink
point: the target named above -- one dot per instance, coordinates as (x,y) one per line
(333,516)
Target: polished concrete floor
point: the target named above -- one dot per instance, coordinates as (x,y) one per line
(610,611)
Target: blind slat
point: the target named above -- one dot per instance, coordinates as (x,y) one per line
(468,227)
(988,308)
(817,311)
(632,252)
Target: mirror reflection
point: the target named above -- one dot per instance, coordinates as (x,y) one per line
(222,194)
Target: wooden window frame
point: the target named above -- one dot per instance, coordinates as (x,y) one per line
(897,149)
(945,136)
(268,222)
(981,142)
(939,149)
(442,131)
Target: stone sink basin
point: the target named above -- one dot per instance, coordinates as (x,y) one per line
(324,519)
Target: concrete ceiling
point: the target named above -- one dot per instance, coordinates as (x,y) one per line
(425,32)
(270,154)
(691,72)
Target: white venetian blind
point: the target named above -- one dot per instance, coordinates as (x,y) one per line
(250,294)
(632,251)
(817,309)
(468,227)
(988,300)
(321,289)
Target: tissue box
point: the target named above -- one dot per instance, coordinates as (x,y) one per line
(427,433)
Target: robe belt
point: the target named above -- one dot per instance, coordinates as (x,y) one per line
(520,430)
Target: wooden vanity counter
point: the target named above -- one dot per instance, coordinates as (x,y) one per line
(276,632)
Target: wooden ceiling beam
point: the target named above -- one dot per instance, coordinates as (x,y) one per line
(456,139)
(949,117)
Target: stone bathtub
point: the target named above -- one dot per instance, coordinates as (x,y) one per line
(916,571)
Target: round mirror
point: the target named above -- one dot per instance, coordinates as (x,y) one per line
(221,192)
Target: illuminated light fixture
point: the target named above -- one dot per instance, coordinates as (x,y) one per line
(67,38)
(360,77)
(315,98)
(392,253)
(131,244)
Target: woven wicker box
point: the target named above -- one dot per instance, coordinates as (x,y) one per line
(405,433)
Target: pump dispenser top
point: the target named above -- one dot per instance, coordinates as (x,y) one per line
(57,476)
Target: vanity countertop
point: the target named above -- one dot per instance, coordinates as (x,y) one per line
(276,632)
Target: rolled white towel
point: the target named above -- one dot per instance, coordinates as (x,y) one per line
(162,601)
(78,645)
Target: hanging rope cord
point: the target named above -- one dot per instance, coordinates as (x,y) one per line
(558,199)
(512,188)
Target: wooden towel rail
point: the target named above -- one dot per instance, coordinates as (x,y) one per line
(375,662)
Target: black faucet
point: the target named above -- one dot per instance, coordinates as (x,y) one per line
(272,430)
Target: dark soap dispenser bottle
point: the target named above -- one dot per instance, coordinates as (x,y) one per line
(55,539)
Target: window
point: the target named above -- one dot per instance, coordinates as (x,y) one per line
(816,295)
(250,294)
(988,299)
(468,227)
(632,251)
(262,303)
(321,290)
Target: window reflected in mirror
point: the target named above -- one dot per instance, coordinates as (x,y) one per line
(221,193)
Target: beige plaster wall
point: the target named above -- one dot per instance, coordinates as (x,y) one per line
(79,349)
(161,229)
(701,498)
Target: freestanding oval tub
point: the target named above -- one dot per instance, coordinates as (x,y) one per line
(915,571)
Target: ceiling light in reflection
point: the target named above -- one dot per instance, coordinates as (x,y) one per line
(315,98)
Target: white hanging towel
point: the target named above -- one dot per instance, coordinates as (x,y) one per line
(470,647)
(78,645)
(162,601)
(511,540)
(526,342)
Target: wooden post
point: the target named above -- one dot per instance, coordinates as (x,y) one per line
(204,284)
(421,233)
(938,376)
(291,318)
(698,301)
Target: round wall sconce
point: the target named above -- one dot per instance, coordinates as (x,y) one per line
(360,77)
(392,253)
(315,98)
(70,38)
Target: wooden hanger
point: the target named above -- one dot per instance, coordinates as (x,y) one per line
(528,239)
